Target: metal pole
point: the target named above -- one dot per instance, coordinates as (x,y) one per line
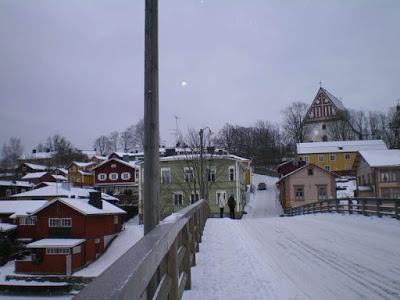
(151,199)
(201,165)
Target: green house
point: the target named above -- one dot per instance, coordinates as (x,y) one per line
(223,175)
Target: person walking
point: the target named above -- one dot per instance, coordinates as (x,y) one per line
(232,205)
(221,205)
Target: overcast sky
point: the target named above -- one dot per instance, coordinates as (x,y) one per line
(75,67)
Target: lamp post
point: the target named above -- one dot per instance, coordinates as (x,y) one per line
(201,134)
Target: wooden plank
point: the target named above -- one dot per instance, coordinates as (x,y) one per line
(163,288)
(173,272)
(182,283)
(180,255)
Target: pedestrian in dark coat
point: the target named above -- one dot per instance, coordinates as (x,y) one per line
(232,204)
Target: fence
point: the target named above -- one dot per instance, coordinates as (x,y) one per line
(364,206)
(159,265)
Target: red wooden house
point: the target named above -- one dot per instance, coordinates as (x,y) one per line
(38,177)
(70,233)
(117,177)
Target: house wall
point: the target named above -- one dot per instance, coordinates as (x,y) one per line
(391,184)
(365,177)
(340,164)
(310,184)
(78,179)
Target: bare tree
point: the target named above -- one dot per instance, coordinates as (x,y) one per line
(126,139)
(102,145)
(114,140)
(57,143)
(293,122)
(138,134)
(10,153)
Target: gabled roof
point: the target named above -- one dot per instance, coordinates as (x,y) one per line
(83,206)
(34,175)
(60,177)
(82,164)
(334,100)
(20,207)
(131,163)
(61,190)
(16,183)
(305,166)
(191,156)
(37,167)
(340,146)
(382,158)
(38,155)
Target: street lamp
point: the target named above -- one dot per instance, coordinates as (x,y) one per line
(201,134)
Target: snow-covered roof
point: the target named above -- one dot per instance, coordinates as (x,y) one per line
(61,190)
(83,206)
(382,158)
(4,227)
(83,164)
(305,166)
(335,100)
(15,183)
(34,175)
(63,170)
(340,146)
(205,156)
(55,243)
(131,163)
(20,207)
(38,155)
(60,177)
(86,173)
(37,167)
(89,153)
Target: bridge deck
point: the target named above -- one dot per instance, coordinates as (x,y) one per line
(325,256)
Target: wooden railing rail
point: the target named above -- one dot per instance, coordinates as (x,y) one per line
(364,206)
(164,256)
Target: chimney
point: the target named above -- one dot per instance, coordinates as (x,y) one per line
(125,158)
(34,151)
(95,199)
(48,150)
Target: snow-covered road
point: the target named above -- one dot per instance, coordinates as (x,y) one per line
(324,256)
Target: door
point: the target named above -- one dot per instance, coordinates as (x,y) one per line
(68,263)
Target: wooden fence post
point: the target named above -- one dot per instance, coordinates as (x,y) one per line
(364,207)
(378,208)
(396,209)
(172,270)
(186,241)
(329,205)
(320,207)
(337,206)
(350,206)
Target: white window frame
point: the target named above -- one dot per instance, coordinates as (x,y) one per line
(332,157)
(76,249)
(306,158)
(211,174)
(60,222)
(115,220)
(321,157)
(57,251)
(168,170)
(185,178)
(347,156)
(178,202)
(27,220)
(327,168)
(326,192)
(194,197)
(113,166)
(298,198)
(231,171)
(102,177)
(221,192)
(125,175)
(111,176)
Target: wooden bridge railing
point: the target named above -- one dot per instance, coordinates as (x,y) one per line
(365,206)
(159,265)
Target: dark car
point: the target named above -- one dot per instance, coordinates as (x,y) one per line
(262,186)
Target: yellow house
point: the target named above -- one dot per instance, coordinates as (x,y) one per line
(337,156)
(79,173)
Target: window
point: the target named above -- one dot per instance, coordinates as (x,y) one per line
(115,220)
(231,173)
(76,250)
(322,192)
(194,197)
(27,220)
(324,138)
(102,176)
(310,172)
(395,175)
(306,158)
(347,156)
(328,168)
(211,172)
(57,251)
(332,156)
(369,179)
(126,176)
(393,193)
(165,175)
(320,157)
(384,176)
(323,126)
(113,166)
(299,193)
(188,174)
(113,176)
(178,198)
(8,192)
(137,175)
(60,222)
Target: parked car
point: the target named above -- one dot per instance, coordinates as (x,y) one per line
(262,186)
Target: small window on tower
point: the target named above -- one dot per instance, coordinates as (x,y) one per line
(323,126)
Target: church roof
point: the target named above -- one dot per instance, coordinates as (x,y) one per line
(335,100)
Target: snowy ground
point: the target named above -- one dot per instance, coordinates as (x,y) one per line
(322,256)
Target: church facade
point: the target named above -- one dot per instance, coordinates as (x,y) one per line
(324,110)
